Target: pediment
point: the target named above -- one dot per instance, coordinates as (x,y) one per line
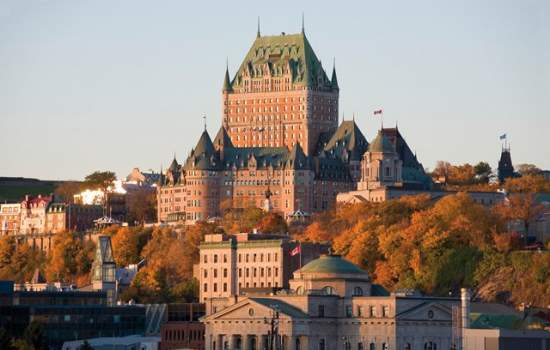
(428,311)
(250,309)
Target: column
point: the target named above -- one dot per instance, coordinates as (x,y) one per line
(245,341)
(292,341)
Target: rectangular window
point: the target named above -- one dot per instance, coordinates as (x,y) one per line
(349,311)
(224,272)
(372,311)
(205,258)
(321,310)
(215,273)
(215,287)
(359,311)
(215,258)
(225,287)
(225,258)
(205,288)
(386,311)
(205,273)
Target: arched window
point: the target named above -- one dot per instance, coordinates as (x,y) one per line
(408,346)
(297,343)
(385,346)
(372,346)
(360,346)
(300,290)
(322,344)
(328,290)
(358,292)
(347,345)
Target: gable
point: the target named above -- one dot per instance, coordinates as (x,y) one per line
(257,309)
(427,311)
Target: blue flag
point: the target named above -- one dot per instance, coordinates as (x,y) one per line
(503,136)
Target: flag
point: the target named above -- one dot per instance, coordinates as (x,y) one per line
(379,111)
(295,251)
(503,136)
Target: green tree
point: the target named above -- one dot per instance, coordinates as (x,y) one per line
(100,179)
(5,340)
(34,336)
(483,171)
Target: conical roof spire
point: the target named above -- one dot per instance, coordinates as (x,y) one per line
(334,80)
(227,81)
(258,34)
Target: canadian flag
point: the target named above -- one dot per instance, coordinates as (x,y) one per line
(378,111)
(296,250)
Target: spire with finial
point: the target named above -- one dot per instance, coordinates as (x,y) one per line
(227,81)
(204,118)
(334,80)
(258,32)
(303,25)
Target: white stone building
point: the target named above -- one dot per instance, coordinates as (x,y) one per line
(331,304)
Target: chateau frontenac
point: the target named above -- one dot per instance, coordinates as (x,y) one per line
(280,146)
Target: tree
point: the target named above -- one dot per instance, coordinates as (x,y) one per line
(142,204)
(67,189)
(70,259)
(5,340)
(522,207)
(482,171)
(34,336)
(527,184)
(128,244)
(272,223)
(100,179)
(528,169)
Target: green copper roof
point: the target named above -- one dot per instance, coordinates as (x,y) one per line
(381,144)
(347,142)
(274,55)
(331,264)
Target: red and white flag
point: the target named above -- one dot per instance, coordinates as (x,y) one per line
(378,111)
(296,251)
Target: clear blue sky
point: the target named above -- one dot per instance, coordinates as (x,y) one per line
(87,85)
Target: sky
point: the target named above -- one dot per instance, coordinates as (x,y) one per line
(112,85)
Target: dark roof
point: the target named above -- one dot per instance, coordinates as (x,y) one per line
(381,144)
(222,139)
(347,142)
(226,82)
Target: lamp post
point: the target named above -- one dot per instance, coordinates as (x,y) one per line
(273,341)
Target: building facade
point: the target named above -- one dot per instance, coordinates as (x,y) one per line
(33,214)
(62,217)
(247,261)
(332,304)
(182,329)
(279,146)
(10,218)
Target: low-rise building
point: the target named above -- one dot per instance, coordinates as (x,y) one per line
(33,214)
(231,264)
(62,217)
(183,329)
(10,218)
(331,304)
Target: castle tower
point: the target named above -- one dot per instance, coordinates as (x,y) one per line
(381,165)
(280,95)
(104,268)
(505,167)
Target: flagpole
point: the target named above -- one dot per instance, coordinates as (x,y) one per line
(300,244)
